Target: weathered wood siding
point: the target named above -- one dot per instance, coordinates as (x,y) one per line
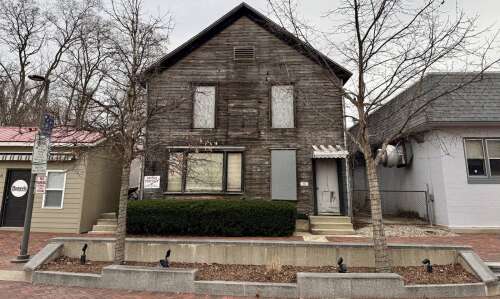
(243,116)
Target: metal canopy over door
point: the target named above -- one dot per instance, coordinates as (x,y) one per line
(15,197)
(327,187)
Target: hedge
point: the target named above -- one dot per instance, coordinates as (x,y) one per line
(211,217)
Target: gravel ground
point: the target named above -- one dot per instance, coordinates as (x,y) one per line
(284,274)
(396,230)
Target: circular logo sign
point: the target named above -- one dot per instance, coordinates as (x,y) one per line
(19,188)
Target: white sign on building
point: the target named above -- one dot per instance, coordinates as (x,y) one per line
(151,182)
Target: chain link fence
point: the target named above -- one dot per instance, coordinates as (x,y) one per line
(397,203)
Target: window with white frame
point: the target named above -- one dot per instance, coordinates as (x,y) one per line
(483,157)
(54,192)
(204,107)
(282,106)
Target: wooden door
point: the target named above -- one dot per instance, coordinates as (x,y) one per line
(327,187)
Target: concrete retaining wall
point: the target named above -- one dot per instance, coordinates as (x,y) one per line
(258,252)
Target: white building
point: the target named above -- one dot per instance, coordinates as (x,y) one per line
(455,149)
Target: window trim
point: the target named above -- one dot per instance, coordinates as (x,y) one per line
(195,85)
(47,189)
(294,104)
(224,174)
(481,179)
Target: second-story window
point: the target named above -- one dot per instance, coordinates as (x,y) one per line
(204,107)
(282,109)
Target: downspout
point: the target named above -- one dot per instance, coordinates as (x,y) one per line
(346,160)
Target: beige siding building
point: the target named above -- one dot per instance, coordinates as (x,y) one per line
(83,181)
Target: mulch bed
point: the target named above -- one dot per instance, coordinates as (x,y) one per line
(442,274)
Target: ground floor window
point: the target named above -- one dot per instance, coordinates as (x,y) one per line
(483,157)
(54,192)
(207,172)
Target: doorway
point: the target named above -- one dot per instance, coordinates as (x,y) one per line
(327,187)
(15,197)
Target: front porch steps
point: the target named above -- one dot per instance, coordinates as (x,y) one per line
(106,224)
(495,268)
(331,225)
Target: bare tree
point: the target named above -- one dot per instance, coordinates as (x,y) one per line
(36,39)
(389,44)
(136,41)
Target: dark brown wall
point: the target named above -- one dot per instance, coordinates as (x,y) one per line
(243,106)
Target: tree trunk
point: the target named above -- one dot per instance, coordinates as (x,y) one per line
(121,229)
(382,262)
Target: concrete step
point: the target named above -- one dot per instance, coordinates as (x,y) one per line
(104,228)
(104,221)
(494,266)
(108,215)
(327,225)
(329,219)
(316,231)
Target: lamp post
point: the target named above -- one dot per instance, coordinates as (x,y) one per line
(44,128)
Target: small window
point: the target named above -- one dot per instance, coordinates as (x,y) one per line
(54,192)
(175,166)
(494,156)
(234,172)
(204,107)
(475,157)
(282,106)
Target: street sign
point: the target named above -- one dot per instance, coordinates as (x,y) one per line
(40,184)
(48,125)
(41,151)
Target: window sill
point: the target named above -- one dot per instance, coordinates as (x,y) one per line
(485,180)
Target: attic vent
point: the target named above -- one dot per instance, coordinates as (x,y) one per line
(244,53)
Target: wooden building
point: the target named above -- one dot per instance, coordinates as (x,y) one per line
(251,112)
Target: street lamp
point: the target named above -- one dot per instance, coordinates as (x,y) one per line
(42,129)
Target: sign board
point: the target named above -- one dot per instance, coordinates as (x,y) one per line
(48,125)
(304,184)
(40,184)
(151,182)
(41,151)
(19,188)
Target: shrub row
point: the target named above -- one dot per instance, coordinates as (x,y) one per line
(211,217)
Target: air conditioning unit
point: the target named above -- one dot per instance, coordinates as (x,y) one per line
(399,155)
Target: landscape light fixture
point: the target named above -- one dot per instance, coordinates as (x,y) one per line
(164,263)
(427,265)
(342,266)
(83,257)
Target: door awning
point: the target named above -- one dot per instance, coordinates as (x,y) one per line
(329,151)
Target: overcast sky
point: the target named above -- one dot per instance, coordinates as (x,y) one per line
(192,16)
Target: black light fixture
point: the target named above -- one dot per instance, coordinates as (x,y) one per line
(427,265)
(83,257)
(36,78)
(342,266)
(164,263)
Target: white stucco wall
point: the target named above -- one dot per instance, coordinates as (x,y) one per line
(439,164)
(469,205)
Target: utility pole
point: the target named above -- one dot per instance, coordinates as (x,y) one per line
(41,152)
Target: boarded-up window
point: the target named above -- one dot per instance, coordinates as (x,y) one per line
(283,175)
(204,172)
(282,106)
(175,166)
(204,107)
(234,172)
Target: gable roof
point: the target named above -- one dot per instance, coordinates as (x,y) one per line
(225,21)
(62,136)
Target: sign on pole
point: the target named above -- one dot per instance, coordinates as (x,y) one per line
(41,150)
(40,184)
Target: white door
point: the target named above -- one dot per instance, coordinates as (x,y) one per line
(327,187)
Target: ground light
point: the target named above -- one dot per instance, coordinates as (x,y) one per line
(164,263)
(342,266)
(83,257)
(427,265)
